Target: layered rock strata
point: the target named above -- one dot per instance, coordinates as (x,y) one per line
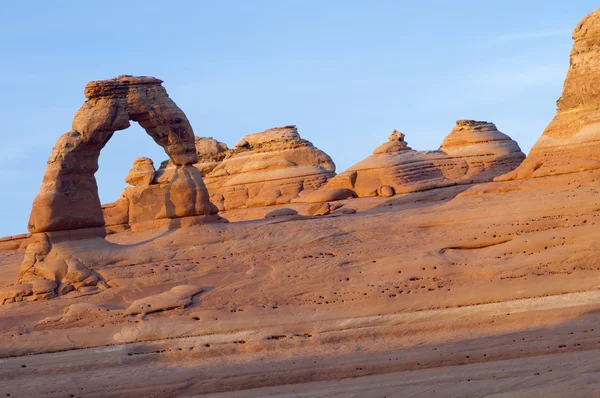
(275,166)
(473,152)
(571,142)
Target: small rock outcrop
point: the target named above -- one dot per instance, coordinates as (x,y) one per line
(284,212)
(268,168)
(571,142)
(177,297)
(395,144)
(473,152)
(142,172)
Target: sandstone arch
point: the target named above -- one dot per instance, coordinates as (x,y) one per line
(68,199)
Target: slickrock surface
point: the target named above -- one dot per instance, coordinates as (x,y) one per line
(420,284)
(178,297)
(463,290)
(272,167)
(571,142)
(473,152)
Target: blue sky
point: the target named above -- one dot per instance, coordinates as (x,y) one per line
(345,72)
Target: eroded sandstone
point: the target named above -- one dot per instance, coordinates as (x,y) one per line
(473,152)
(68,207)
(571,142)
(273,167)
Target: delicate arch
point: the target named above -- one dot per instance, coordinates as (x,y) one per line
(68,198)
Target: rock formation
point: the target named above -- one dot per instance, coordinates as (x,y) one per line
(275,166)
(68,198)
(142,172)
(68,207)
(210,153)
(473,152)
(177,297)
(571,143)
(272,167)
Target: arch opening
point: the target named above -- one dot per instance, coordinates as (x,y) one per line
(119,155)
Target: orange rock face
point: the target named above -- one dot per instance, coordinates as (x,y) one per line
(473,152)
(67,206)
(571,142)
(273,167)
(142,172)
(68,198)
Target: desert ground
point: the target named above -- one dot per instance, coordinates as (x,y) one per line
(465,293)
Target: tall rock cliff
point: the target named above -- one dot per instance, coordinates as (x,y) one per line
(571,142)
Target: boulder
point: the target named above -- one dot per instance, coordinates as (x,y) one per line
(142,172)
(117,213)
(318,209)
(395,144)
(268,168)
(210,153)
(385,191)
(177,297)
(281,213)
(330,195)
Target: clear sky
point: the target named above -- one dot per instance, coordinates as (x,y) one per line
(345,72)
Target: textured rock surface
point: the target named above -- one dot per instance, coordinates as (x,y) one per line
(318,209)
(473,152)
(275,166)
(142,172)
(329,195)
(492,292)
(68,198)
(210,153)
(14,242)
(281,213)
(177,297)
(571,142)
(116,215)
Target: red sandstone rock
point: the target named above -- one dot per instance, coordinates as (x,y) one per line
(329,195)
(571,142)
(473,152)
(281,213)
(318,209)
(142,172)
(273,167)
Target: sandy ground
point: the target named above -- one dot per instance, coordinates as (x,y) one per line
(488,292)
